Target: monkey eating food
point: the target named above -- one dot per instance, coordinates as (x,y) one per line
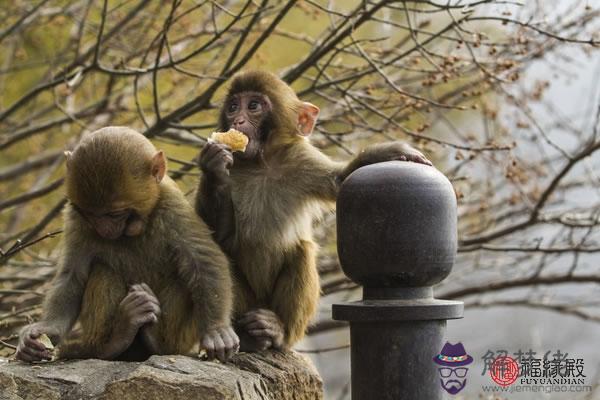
(236,140)
(139,269)
(261,204)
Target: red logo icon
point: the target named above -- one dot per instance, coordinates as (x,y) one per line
(504,371)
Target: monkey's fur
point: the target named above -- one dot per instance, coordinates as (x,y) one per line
(174,255)
(263,213)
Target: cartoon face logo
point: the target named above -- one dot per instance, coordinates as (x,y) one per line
(453,373)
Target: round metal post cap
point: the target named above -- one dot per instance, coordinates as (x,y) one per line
(396,225)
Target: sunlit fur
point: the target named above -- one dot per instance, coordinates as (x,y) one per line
(275,207)
(275,201)
(175,255)
(103,172)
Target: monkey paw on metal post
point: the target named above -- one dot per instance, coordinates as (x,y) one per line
(396,232)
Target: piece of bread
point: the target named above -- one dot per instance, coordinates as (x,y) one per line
(45,340)
(232,138)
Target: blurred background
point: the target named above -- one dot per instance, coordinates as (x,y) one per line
(503,97)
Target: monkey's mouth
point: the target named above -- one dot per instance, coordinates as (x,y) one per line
(117,229)
(110,233)
(135,225)
(246,131)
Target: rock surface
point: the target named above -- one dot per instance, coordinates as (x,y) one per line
(269,375)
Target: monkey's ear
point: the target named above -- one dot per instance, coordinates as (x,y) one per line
(159,166)
(307,118)
(68,155)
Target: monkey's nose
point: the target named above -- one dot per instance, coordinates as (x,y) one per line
(238,122)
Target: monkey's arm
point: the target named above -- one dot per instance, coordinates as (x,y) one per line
(382,152)
(203,266)
(213,197)
(206,270)
(313,173)
(215,206)
(111,318)
(62,304)
(322,176)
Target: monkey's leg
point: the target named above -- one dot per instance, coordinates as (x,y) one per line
(297,291)
(177,329)
(244,302)
(104,291)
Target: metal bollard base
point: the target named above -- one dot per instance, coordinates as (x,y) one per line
(393,343)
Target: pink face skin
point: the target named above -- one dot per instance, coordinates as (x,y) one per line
(245,112)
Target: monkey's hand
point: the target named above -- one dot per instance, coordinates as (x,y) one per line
(392,151)
(215,161)
(30,349)
(148,334)
(383,152)
(264,326)
(137,309)
(222,343)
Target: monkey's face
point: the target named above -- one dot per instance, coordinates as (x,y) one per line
(113,182)
(122,211)
(248,113)
(114,222)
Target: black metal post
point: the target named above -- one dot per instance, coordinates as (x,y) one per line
(396,227)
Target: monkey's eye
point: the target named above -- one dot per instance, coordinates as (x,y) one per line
(118,214)
(233,107)
(253,105)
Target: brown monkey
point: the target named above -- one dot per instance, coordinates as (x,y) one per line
(262,202)
(139,269)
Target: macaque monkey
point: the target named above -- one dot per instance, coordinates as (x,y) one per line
(139,268)
(261,203)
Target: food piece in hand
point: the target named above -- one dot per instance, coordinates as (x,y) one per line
(202,354)
(45,340)
(232,138)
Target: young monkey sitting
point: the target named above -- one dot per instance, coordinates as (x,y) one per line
(139,269)
(261,202)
